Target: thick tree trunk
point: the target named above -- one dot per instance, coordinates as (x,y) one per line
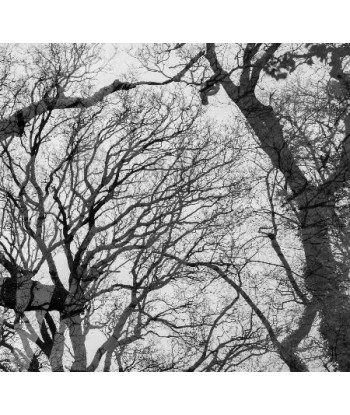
(78,342)
(108,361)
(323,279)
(290,344)
(31,296)
(56,358)
(34,364)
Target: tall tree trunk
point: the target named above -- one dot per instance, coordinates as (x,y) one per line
(323,278)
(325,281)
(77,337)
(56,358)
(108,361)
(34,365)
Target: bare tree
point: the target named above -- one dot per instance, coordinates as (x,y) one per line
(303,130)
(96,193)
(191,244)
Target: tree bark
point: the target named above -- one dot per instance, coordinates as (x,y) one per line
(322,277)
(325,281)
(108,361)
(56,358)
(31,296)
(78,342)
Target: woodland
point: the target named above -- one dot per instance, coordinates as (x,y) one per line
(175,207)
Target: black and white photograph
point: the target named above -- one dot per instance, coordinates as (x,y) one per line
(174,208)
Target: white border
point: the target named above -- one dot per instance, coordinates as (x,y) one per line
(175,393)
(137,21)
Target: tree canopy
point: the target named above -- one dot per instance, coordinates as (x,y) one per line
(190,214)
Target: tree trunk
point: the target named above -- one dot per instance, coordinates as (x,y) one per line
(78,342)
(325,281)
(56,358)
(34,364)
(108,361)
(323,278)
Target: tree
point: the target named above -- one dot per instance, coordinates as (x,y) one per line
(304,132)
(98,193)
(192,243)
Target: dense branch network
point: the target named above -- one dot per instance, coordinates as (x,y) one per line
(190,244)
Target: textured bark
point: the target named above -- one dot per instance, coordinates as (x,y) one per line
(290,344)
(326,283)
(108,361)
(56,358)
(322,279)
(34,364)
(77,337)
(316,205)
